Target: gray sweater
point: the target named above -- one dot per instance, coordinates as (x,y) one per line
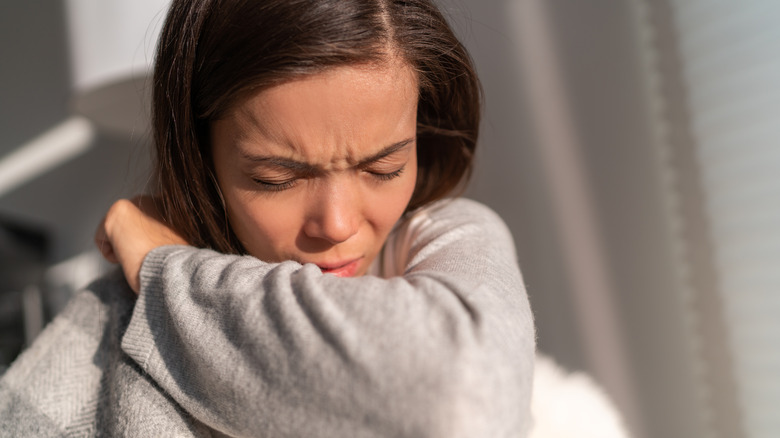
(439,342)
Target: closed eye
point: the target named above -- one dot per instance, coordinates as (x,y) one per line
(387,176)
(271,186)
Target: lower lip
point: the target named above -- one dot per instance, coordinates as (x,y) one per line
(348,270)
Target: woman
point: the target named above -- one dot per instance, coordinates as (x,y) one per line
(298,271)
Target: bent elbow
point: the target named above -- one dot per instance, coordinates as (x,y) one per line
(474,403)
(474,392)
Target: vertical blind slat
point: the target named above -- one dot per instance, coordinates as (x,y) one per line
(731,65)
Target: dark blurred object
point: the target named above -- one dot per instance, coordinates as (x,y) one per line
(23,251)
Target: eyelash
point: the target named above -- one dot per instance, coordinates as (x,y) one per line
(278,187)
(274,187)
(388,176)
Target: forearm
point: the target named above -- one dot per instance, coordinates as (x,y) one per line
(244,345)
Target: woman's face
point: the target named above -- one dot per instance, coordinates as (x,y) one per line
(318,170)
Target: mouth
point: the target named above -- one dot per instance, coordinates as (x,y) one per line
(341,269)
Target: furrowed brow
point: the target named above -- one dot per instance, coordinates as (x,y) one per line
(297,166)
(302,167)
(389,150)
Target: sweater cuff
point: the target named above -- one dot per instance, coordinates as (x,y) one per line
(150,309)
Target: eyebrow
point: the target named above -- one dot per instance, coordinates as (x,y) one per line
(301,166)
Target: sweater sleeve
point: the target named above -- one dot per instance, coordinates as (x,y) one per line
(258,349)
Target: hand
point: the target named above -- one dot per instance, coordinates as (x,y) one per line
(130,230)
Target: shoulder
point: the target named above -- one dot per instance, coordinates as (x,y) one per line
(456,209)
(75,374)
(106,298)
(454,229)
(111,287)
(107,302)
(450,214)
(63,356)
(457,219)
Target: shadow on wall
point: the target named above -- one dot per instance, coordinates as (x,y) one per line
(58,175)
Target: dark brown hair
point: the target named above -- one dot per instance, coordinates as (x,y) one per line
(211,52)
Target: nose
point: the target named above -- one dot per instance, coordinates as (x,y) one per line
(334,215)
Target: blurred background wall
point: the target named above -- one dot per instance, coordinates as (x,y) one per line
(58,171)
(629,145)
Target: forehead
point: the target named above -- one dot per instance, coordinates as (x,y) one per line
(345,107)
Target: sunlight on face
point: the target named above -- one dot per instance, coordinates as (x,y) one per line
(318,170)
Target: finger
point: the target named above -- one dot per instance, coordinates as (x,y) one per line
(107,251)
(104,244)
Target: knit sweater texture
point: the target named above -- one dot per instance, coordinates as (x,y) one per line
(437,342)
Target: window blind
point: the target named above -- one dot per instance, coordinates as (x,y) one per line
(730,58)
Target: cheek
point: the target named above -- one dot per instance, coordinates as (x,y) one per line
(267,232)
(392,204)
(411,183)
